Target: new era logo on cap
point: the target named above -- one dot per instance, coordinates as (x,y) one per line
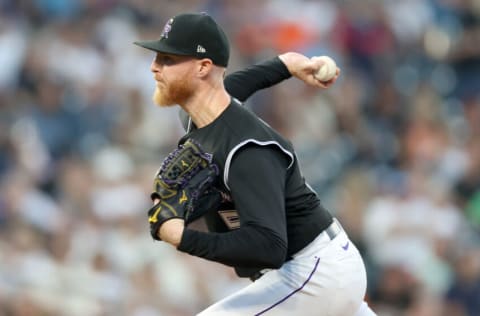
(201,49)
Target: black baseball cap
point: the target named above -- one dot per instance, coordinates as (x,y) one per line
(192,34)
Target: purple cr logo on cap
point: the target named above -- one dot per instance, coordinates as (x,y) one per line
(167,28)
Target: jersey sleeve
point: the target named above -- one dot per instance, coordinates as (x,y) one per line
(244,83)
(257,184)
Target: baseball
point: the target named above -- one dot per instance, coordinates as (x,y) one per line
(328,70)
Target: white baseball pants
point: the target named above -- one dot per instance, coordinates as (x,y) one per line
(327,277)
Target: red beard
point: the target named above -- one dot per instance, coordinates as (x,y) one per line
(176,92)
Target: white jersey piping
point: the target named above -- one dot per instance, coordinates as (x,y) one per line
(232,152)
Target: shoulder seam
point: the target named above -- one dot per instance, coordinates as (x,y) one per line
(243,143)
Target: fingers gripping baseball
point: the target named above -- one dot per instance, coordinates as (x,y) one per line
(325,71)
(185,175)
(310,70)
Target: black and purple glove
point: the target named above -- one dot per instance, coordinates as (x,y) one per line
(183,185)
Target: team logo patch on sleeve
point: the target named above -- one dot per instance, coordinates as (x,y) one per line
(230,218)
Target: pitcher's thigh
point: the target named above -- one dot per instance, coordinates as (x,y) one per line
(312,289)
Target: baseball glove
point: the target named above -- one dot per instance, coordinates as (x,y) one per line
(183,186)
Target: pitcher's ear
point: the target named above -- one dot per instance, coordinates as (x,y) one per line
(204,66)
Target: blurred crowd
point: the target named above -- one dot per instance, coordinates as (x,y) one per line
(393,149)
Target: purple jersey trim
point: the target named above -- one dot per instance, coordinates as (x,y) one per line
(289,295)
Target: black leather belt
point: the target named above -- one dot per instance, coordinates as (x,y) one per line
(331,231)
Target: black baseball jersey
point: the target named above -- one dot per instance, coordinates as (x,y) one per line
(268,221)
(274,213)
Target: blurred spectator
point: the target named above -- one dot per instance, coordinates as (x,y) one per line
(462,296)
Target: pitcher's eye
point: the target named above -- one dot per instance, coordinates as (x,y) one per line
(164,60)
